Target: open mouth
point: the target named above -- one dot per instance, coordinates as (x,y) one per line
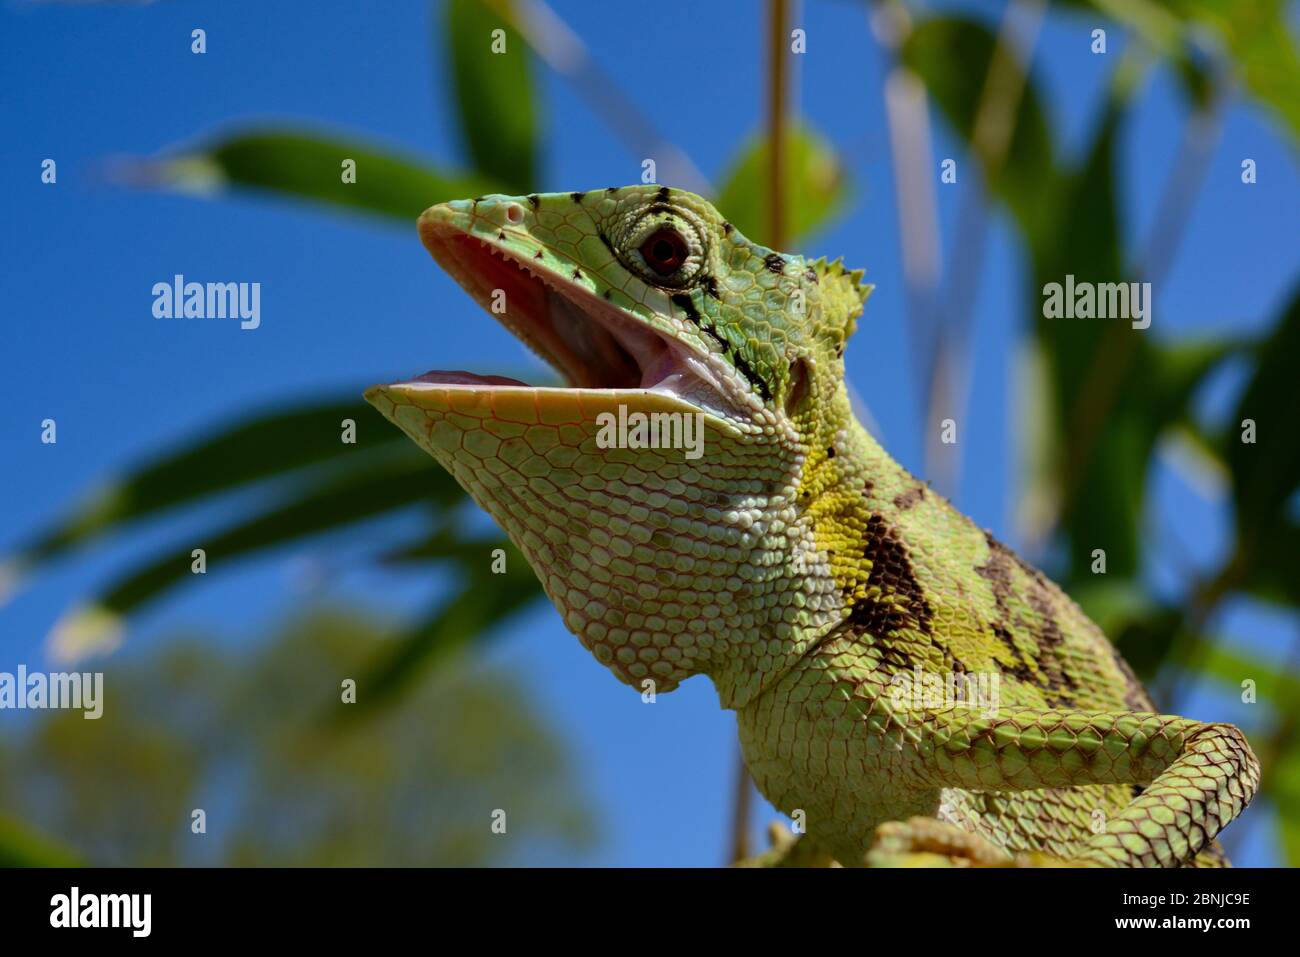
(591,342)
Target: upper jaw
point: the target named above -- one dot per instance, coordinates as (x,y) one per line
(589,339)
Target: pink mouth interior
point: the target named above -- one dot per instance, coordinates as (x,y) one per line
(590,341)
(585,338)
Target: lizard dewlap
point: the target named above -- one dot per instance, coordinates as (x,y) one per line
(789,558)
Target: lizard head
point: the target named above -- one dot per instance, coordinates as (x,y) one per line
(656,492)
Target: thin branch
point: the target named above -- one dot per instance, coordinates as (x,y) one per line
(565,53)
(776,123)
(742,801)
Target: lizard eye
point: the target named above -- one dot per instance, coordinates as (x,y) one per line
(665,248)
(665,251)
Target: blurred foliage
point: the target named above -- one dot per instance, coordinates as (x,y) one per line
(241,737)
(494,94)
(20,846)
(813,192)
(947,53)
(1100,398)
(309,165)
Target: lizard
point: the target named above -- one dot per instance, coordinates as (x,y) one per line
(813,579)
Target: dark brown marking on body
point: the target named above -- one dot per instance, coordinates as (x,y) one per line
(711,286)
(997,572)
(1020,669)
(900,604)
(905,500)
(727,228)
(1046,671)
(894,657)
(577,197)
(774,262)
(1044,598)
(663,194)
(534,201)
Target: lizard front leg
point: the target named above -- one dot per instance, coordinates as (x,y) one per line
(1197,777)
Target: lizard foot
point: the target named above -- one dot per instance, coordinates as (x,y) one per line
(927,842)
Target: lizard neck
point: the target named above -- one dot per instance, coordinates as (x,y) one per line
(858,507)
(849,566)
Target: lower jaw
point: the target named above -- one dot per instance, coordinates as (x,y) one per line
(507,399)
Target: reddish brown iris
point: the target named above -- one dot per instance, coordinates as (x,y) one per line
(664,251)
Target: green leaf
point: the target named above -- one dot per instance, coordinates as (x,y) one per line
(97,625)
(482,602)
(250,451)
(20,846)
(1256,33)
(815,188)
(494,92)
(1178,368)
(1266,472)
(951,55)
(1282,784)
(309,166)
(1149,639)
(1270,565)
(1100,445)
(1230,667)
(1115,604)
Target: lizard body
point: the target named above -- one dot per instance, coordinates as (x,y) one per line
(814,580)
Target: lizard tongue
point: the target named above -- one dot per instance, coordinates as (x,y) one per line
(459,377)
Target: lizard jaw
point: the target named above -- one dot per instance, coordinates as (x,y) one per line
(590,341)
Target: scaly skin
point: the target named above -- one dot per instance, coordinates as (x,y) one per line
(794,562)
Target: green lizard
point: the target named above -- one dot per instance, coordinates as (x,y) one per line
(793,561)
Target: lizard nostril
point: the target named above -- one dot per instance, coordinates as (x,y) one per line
(514,214)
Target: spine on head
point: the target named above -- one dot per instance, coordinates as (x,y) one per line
(843,294)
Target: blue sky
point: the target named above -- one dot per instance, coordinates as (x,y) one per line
(349,300)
